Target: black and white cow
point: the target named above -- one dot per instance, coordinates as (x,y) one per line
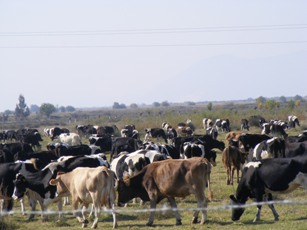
(57,131)
(266,177)
(121,144)
(293,121)
(244,124)
(207,123)
(168,150)
(271,148)
(212,131)
(275,130)
(155,133)
(223,125)
(249,141)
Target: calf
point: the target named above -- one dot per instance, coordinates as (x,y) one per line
(265,177)
(88,185)
(232,159)
(169,179)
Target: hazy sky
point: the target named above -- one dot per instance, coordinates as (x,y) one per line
(93,53)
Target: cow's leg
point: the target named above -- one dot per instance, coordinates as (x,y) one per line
(232,175)
(271,206)
(96,213)
(202,205)
(153,205)
(32,204)
(83,212)
(22,206)
(174,206)
(76,213)
(112,206)
(257,217)
(66,200)
(238,175)
(60,208)
(228,175)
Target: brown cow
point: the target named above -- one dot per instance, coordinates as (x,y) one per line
(88,185)
(232,159)
(169,179)
(233,135)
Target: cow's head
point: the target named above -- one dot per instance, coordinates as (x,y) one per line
(20,187)
(236,212)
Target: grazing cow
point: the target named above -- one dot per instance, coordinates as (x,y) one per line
(244,124)
(184,131)
(86,130)
(32,139)
(256,121)
(248,141)
(168,150)
(155,133)
(265,177)
(299,138)
(295,149)
(169,179)
(293,121)
(88,185)
(232,159)
(71,139)
(207,123)
(10,134)
(15,148)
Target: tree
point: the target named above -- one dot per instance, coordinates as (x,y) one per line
(70,108)
(291,104)
(34,108)
(22,110)
(209,106)
(298,97)
(165,103)
(283,99)
(156,104)
(116,105)
(133,106)
(47,109)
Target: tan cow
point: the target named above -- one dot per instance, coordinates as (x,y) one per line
(169,179)
(88,185)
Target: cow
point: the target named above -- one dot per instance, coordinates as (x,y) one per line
(103,142)
(271,148)
(155,133)
(56,131)
(275,130)
(184,131)
(71,139)
(223,125)
(168,150)
(121,144)
(86,130)
(88,185)
(244,124)
(233,135)
(36,182)
(256,120)
(207,123)
(248,141)
(266,177)
(107,130)
(293,121)
(232,159)
(169,179)
(212,131)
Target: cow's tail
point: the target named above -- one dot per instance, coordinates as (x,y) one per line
(210,193)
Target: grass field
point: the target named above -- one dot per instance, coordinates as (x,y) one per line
(292,216)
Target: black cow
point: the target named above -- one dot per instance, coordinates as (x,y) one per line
(121,144)
(248,141)
(155,133)
(107,130)
(295,149)
(103,142)
(265,177)
(244,124)
(86,130)
(15,148)
(256,121)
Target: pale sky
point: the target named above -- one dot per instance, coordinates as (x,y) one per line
(92,53)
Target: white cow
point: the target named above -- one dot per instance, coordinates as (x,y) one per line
(71,139)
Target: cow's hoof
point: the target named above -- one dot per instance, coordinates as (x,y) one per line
(194,220)
(178,222)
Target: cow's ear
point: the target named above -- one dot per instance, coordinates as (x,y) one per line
(233,198)
(53,182)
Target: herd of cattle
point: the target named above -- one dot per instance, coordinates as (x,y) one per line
(267,162)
